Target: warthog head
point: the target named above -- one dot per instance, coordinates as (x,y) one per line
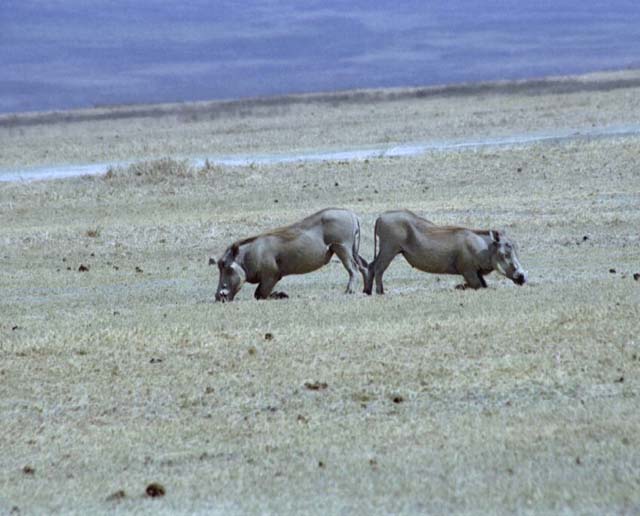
(232,275)
(504,258)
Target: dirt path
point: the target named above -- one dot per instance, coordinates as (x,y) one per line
(408,149)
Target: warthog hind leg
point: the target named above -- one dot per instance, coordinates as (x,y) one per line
(349,262)
(363,266)
(378,266)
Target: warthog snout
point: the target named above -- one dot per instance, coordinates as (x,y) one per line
(223,296)
(520,277)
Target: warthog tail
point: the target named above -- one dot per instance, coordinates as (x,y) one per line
(375,240)
(356,243)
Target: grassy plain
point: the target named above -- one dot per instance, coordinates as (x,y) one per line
(425,400)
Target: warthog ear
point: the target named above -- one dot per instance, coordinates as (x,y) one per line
(234,250)
(212,260)
(494,235)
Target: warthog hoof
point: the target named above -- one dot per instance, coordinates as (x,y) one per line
(279,295)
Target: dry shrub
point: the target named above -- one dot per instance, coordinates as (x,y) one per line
(160,170)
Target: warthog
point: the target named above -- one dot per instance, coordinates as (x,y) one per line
(296,249)
(472,253)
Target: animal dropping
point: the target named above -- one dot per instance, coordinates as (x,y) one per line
(316,386)
(155,490)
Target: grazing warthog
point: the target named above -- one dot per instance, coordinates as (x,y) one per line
(296,249)
(472,253)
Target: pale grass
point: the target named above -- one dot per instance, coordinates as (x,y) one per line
(437,400)
(314,123)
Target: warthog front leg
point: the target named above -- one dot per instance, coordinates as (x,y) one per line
(473,279)
(265,287)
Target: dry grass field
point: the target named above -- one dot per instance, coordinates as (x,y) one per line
(117,370)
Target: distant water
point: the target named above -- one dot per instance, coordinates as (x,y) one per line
(72,53)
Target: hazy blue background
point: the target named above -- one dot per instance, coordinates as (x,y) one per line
(60,54)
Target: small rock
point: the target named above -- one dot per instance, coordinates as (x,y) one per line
(397,399)
(83,268)
(155,360)
(29,470)
(585,238)
(321,464)
(118,495)
(619,380)
(268,336)
(155,490)
(636,276)
(612,271)
(138,269)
